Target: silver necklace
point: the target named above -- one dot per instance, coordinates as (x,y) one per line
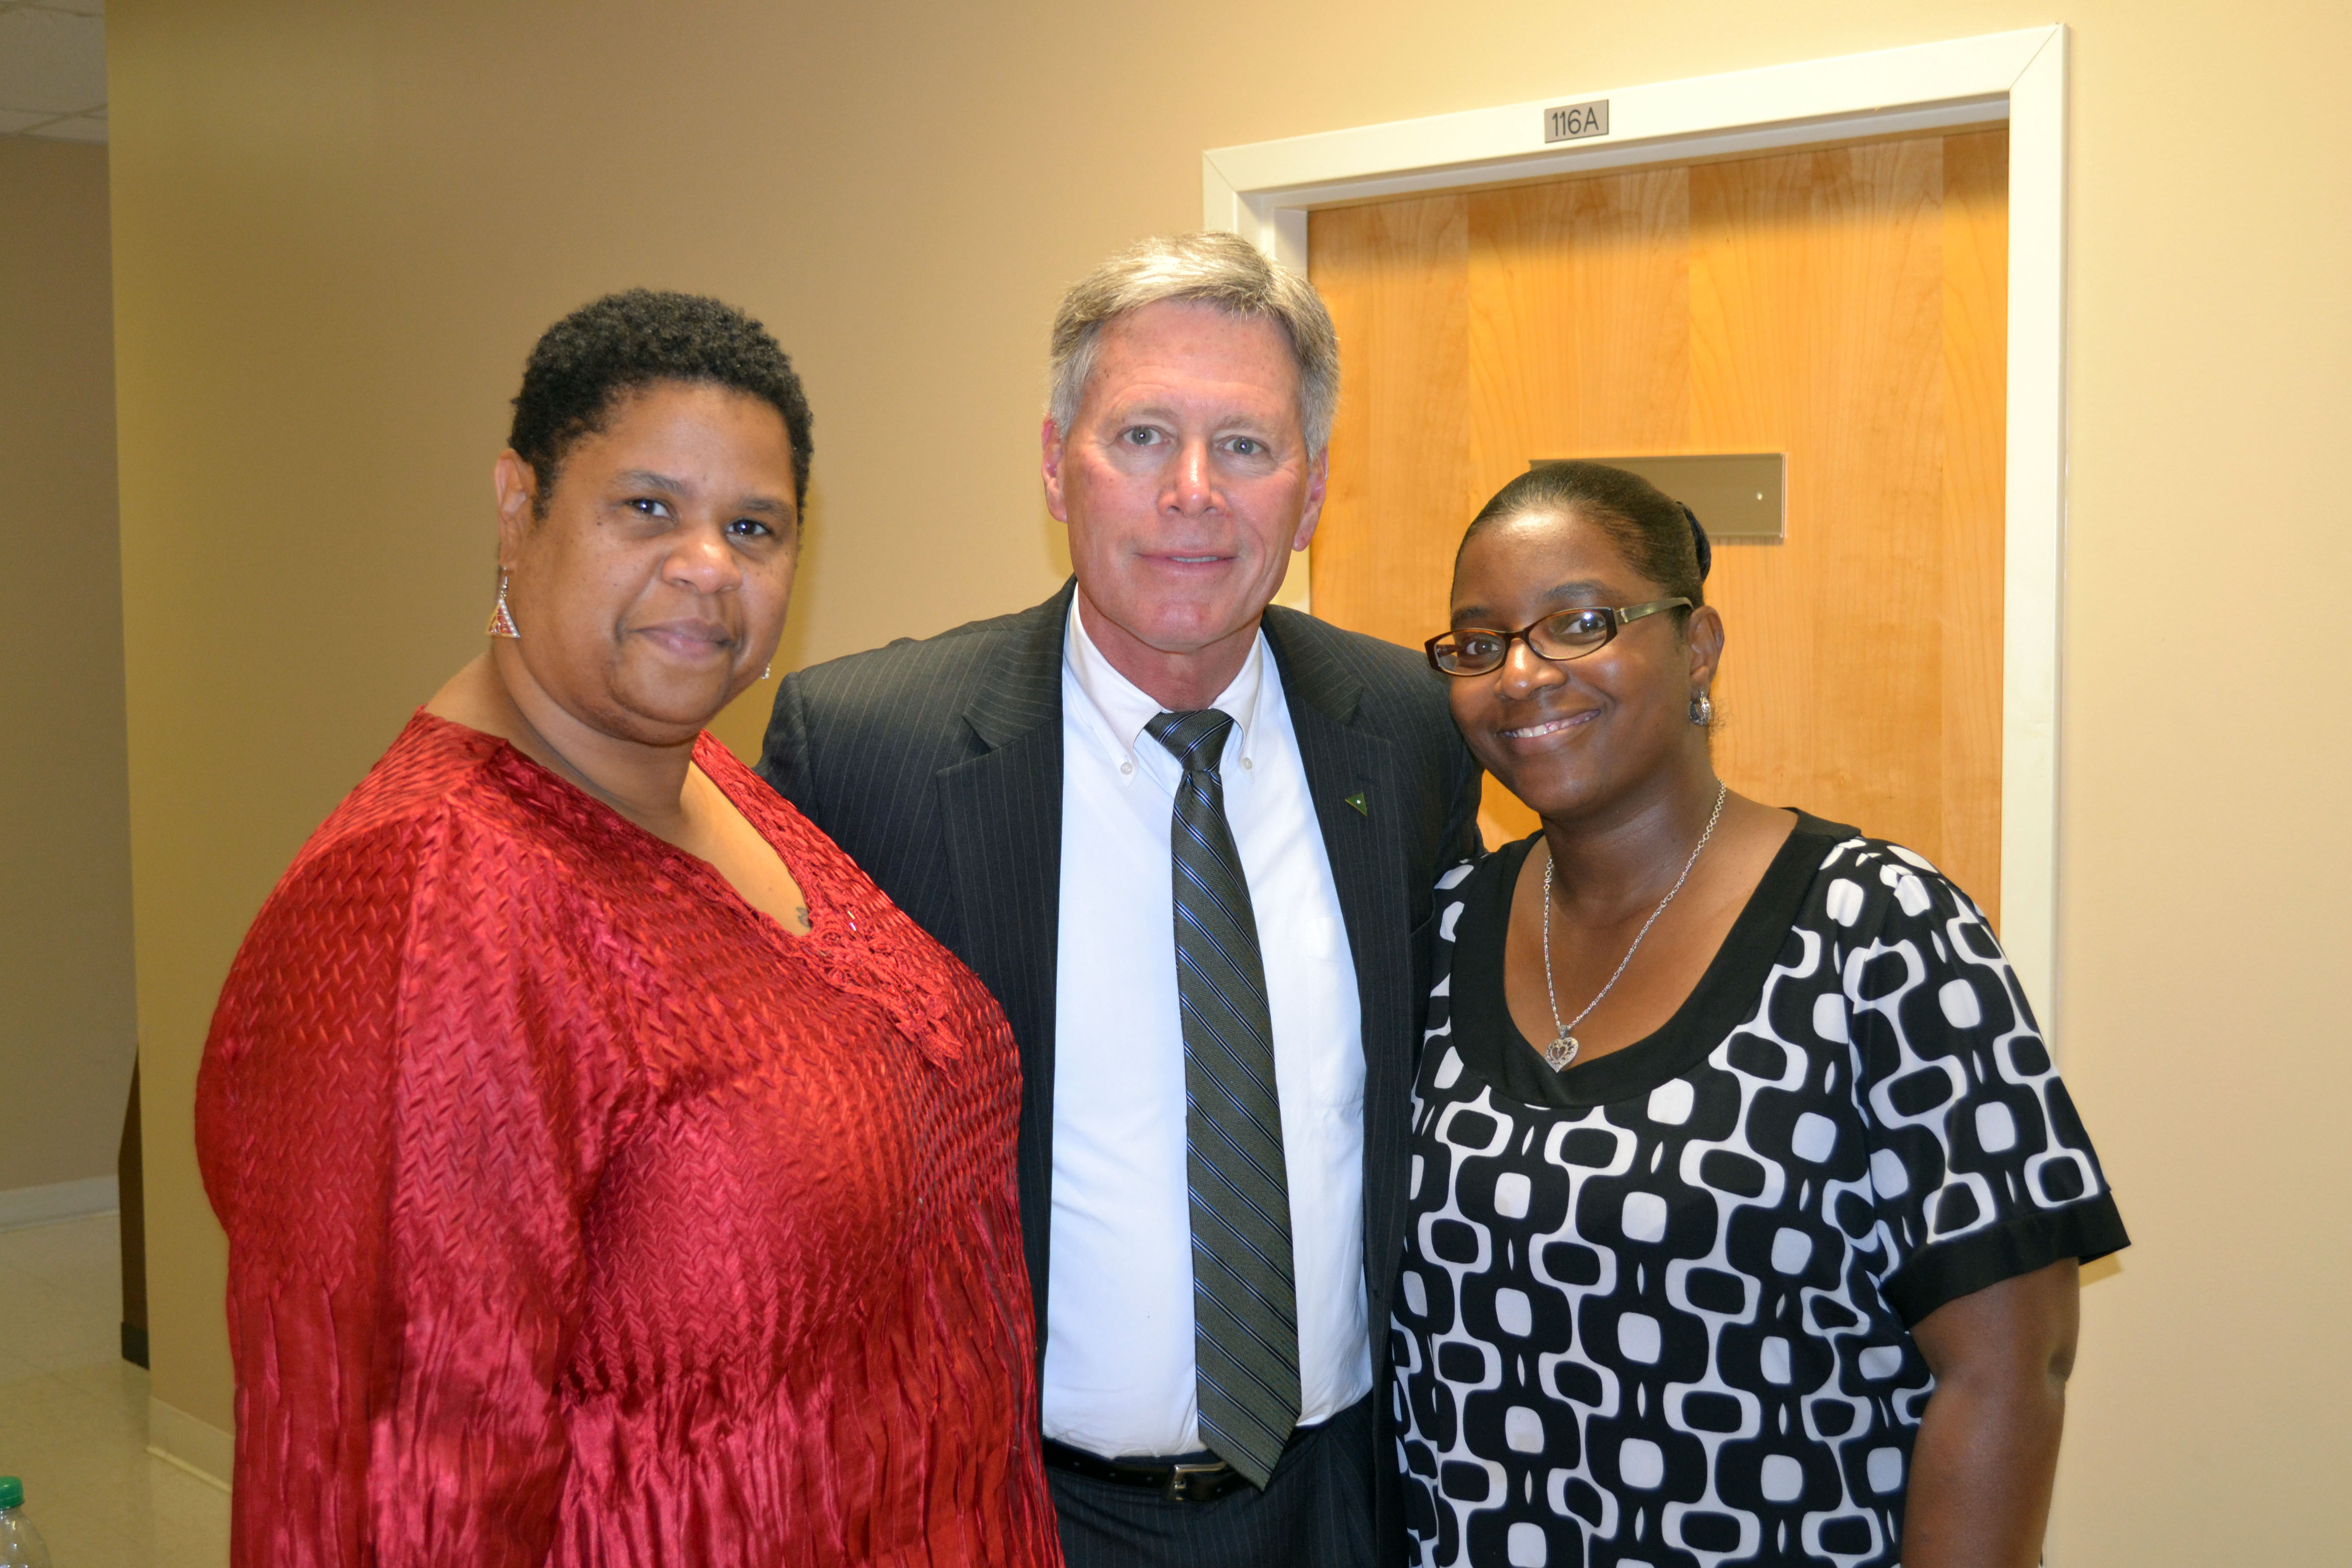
(1562,1050)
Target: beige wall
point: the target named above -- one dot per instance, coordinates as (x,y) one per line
(337,235)
(66,1010)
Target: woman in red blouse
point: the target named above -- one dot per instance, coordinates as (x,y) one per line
(612,1174)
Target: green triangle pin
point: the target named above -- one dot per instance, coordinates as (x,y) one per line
(1357,800)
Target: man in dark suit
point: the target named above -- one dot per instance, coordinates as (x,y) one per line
(1189,841)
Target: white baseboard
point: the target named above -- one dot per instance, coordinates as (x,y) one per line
(21,1206)
(197,1447)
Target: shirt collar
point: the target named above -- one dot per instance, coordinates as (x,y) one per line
(1126,708)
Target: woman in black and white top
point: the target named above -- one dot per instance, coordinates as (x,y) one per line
(1746,1204)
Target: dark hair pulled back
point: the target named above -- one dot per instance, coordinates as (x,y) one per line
(1660,537)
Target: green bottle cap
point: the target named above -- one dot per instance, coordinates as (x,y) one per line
(12,1492)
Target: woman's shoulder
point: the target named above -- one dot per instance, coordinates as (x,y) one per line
(1476,884)
(419,849)
(1863,885)
(818,863)
(441,796)
(865,944)
(1841,877)
(809,848)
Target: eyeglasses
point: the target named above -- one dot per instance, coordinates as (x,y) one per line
(1570,634)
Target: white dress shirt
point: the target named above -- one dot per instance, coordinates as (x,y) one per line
(1120,1376)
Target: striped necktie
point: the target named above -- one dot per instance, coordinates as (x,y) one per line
(1245,1305)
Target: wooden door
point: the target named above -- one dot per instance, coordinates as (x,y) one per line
(1844,305)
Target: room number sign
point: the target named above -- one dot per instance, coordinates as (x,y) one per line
(1574,121)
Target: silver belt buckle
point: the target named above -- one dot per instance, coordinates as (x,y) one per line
(1174,1488)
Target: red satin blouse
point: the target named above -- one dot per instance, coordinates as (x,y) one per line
(577,1214)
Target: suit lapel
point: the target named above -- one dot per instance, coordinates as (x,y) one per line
(1351,775)
(1001,814)
(1356,781)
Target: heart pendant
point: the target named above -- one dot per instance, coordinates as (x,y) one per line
(1561,1052)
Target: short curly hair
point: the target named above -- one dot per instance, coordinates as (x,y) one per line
(582,367)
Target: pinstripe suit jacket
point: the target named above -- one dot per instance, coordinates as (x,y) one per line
(937,766)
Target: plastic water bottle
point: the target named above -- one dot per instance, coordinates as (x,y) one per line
(20,1544)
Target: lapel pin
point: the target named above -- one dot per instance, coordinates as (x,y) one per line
(1357,800)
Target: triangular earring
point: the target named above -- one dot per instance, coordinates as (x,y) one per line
(502,618)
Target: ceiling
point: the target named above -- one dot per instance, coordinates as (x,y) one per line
(53,68)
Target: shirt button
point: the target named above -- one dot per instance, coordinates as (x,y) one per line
(1127,767)
(1247,763)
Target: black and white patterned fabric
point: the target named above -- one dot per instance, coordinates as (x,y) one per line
(1656,1311)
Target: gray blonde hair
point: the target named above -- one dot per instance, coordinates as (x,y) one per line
(1215,268)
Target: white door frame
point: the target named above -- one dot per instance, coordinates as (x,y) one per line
(1264,191)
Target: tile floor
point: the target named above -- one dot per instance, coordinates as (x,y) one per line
(73,1414)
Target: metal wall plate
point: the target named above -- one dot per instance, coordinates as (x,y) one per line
(1739,496)
(1575,121)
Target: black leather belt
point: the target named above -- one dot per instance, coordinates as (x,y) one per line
(1178,1481)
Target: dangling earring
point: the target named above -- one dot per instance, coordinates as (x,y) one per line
(770,670)
(502,618)
(1702,709)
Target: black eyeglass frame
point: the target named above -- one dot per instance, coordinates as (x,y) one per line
(1619,616)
